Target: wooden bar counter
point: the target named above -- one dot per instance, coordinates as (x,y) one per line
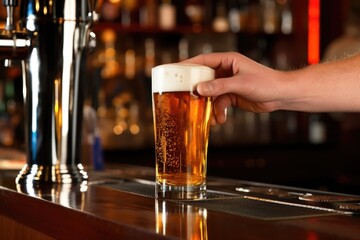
(119,204)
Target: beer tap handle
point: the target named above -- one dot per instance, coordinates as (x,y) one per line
(10,5)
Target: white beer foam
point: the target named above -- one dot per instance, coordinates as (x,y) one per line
(175,77)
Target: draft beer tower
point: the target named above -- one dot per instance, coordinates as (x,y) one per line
(51,40)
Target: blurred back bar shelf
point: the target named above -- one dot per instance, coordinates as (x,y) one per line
(134,36)
(291,148)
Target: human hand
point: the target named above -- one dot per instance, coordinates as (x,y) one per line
(239,82)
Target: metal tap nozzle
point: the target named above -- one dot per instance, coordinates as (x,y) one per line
(10,5)
(13,44)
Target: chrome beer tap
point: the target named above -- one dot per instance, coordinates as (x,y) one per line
(14,44)
(52,40)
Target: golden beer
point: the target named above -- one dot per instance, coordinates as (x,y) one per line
(181,137)
(181,128)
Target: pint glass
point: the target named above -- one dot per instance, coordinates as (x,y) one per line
(181,128)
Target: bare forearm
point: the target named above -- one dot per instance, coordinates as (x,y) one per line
(326,87)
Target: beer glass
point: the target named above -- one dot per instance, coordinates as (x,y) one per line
(181,128)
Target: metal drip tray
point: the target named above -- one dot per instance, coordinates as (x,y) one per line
(236,203)
(265,210)
(147,189)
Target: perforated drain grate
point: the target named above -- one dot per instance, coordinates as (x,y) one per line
(233,204)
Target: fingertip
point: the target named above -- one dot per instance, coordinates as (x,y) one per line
(218,118)
(213,121)
(221,119)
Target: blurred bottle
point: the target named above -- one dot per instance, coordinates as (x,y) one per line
(220,22)
(167,15)
(286,15)
(317,129)
(150,60)
(92,147)
(108,57)
(234,16)
(148,14)
(194,10)
(183,49)
(129,12)
(243,14)
(254,20)
(270,16)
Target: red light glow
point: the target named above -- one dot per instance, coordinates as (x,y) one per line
(314,31)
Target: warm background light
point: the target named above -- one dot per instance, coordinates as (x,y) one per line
(314,31)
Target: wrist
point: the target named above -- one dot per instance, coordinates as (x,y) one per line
(295,94)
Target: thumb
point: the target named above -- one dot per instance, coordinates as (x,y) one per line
(214,87)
